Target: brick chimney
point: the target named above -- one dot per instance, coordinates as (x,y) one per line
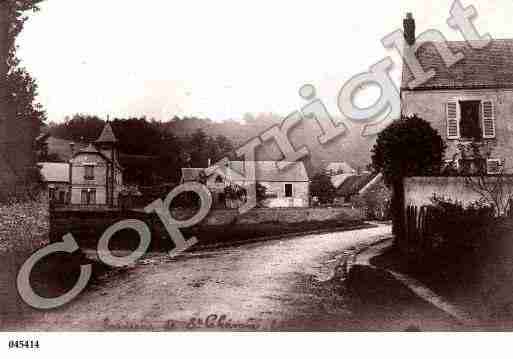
(72,148)
(409,29)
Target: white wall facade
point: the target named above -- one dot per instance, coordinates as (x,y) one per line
(430,105)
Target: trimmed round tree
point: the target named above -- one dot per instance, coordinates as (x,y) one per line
(408,147)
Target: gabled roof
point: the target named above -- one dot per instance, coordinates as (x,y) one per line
(191,174)
(371,184)
(337,180)
(342,167)
(55,172)
(353,184)
(107,135)
(266,171)
(91,149)
(88,149)
(490,67)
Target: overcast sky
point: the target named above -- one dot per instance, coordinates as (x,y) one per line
(217,59)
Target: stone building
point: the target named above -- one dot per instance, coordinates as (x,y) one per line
(469,102)
(284,188)
(95,173)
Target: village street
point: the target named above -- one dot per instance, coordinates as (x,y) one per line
(275,285)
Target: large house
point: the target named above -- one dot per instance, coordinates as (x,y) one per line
(95,173)
(470,102)
(93,176)
(284,188)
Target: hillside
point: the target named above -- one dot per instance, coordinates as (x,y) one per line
(352,147)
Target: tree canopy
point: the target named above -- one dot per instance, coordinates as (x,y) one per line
(408,147)
(150,151)
(322,188)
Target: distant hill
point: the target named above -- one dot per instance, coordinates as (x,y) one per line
(351,148)
(62,147)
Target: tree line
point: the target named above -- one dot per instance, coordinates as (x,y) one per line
(150,152)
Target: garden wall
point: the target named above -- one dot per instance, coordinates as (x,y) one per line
(418,191)
(88,226)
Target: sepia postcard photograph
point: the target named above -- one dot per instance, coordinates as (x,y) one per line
(234,168)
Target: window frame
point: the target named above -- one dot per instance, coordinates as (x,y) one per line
(479,121)
(86,168)
(457,100)
(291,190)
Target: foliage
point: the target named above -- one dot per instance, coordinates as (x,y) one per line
(494,190)
(201,148)
(261,192)
(408,147)
(448,217)
(79,128)
(454,210)
(322,188)
(18,98)
(23,90)
(154,153)
(17,17)
(376,203)
(235,193)
(23,226)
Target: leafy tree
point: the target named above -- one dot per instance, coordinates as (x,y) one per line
(261,192)
(19,90)
(198,145)
(409,147)
(322,188)
(80,128)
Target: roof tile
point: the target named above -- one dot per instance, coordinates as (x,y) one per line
(490,67)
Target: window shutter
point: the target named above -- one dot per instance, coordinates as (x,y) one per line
(453,120)
(493,166)
(488,119)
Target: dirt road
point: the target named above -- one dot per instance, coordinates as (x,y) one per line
(275,285)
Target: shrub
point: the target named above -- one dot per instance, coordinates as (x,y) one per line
(457,225)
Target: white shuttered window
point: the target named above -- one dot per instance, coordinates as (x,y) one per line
(488,118)
(453,120)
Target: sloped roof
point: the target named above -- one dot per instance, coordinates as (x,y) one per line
(266,171)
(337,180)
(55,172)
(372,183)
(107,135)
(353,184)
(62,147)
(340,167)
(93,150)
(490,67)
(191,174)
(88,149)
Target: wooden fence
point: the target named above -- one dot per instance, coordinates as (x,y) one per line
(419,233)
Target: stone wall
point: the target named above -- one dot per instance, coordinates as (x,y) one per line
(418,191)
(88,226)
(282,215)
(431,106)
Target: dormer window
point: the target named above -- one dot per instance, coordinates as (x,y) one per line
(89,172)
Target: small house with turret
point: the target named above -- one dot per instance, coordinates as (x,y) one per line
(95,173)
